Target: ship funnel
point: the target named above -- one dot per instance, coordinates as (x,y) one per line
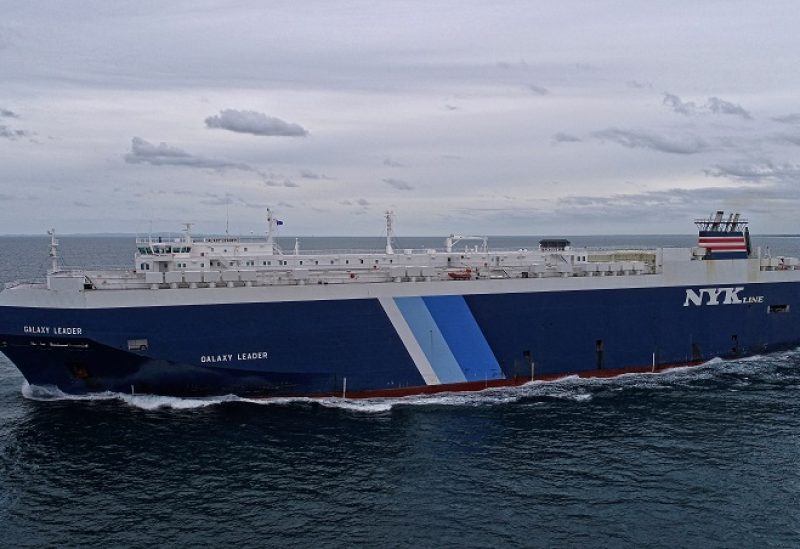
(728,239)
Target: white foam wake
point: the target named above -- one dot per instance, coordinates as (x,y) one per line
(571,387)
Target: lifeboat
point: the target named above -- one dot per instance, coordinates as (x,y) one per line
(465,274)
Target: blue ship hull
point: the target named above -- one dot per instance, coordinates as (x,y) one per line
(364,347)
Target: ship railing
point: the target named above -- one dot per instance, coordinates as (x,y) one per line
(301,277)
(93,270)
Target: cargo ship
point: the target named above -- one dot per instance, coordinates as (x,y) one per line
(205,316)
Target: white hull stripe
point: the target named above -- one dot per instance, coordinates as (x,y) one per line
(407,337)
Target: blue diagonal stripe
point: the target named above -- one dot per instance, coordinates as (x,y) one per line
(464,337)
(430,339)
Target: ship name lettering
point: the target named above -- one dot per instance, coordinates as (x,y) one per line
(719,296)
(251,356)
(65,330)
(215,358)
(52,330)
(239,357)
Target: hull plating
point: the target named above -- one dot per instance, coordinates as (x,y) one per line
(392,346)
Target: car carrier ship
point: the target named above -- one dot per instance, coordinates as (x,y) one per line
(223,315)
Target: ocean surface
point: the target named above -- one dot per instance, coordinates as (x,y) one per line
(695,457)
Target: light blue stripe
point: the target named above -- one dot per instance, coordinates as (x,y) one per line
(430,339)
(464,337)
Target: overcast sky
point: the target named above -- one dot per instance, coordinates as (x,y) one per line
(476,117)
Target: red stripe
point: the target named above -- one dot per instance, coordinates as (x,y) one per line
(722,240)
(723,246)
(480,385)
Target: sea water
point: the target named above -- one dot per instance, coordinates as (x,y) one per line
(704,456)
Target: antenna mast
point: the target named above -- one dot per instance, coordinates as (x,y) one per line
(272,224)
(53,251)
(389,232)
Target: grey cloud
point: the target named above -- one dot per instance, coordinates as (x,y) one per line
(765,187)
(786,138)
(450,107)
(537,90)
(144,152)
(645,140)
(398,184)
(719,106)
(80,204)
(505,65)
(758,172)
(678,105)
(562,137)
(5,197)
(363,202)
(308,174)
(285,205)
(254,123)
(11,133)
(218,201)
(649,205)
(638,85)
(273,181)
(393,163)
(8,114)
(714,105)
(788,118)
